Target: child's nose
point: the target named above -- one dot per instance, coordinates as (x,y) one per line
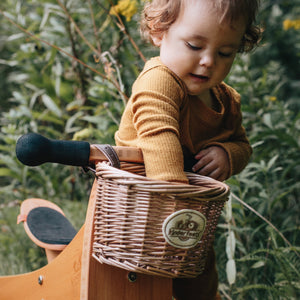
(207,60)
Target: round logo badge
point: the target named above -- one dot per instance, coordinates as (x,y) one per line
(184,228)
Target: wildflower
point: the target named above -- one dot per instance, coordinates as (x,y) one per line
(96,58)
(288,24)
(272,98)
(126,8)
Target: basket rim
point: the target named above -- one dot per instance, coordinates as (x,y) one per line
(124,177)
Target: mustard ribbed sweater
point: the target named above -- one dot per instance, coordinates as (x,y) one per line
(167,124)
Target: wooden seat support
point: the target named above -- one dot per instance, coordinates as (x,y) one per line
(58,280)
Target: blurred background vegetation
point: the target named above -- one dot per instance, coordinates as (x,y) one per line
(66,69)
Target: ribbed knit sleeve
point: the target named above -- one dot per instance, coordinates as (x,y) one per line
(155,103)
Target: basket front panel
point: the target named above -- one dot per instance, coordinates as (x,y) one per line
(128,227)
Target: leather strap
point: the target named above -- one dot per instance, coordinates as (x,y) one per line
(110,154)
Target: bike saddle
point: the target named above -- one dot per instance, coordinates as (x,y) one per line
(46,224)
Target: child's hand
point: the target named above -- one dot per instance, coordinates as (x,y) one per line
(213,162)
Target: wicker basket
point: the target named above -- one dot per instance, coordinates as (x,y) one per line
(155,227)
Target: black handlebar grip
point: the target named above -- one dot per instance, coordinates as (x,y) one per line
(33,149)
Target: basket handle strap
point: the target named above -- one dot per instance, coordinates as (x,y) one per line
(110,154)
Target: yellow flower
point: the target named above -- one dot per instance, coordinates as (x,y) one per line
(288,24)
(272,98)
(126,8)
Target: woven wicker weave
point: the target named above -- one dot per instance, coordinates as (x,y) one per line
(131,211)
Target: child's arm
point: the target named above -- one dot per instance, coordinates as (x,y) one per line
(154,111)
(228,154)
(222,160)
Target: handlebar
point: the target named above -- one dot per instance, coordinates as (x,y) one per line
(33,149)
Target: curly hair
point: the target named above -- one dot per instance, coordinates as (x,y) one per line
(159,15)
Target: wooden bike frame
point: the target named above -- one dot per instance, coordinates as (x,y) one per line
(75,274)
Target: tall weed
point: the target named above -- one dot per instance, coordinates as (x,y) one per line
(67,72)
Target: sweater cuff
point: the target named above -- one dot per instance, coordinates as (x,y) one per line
(238,155)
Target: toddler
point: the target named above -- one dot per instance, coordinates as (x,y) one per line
(181,113)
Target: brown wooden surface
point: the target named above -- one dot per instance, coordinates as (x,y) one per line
(87,244)
(113,284)
(128,154)
(61,278)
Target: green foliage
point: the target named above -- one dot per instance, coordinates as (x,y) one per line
(266,255)
(66,71)
(15,245)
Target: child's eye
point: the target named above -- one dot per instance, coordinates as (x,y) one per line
(191,46)
(223,54)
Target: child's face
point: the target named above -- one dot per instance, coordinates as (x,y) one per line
(198,48)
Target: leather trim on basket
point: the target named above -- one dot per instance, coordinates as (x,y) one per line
(111,154)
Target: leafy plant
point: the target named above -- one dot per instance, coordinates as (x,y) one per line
(67,69)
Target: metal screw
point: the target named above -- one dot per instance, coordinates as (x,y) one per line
(132,277)
(40,280)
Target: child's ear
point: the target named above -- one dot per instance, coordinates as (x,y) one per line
(156,39)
